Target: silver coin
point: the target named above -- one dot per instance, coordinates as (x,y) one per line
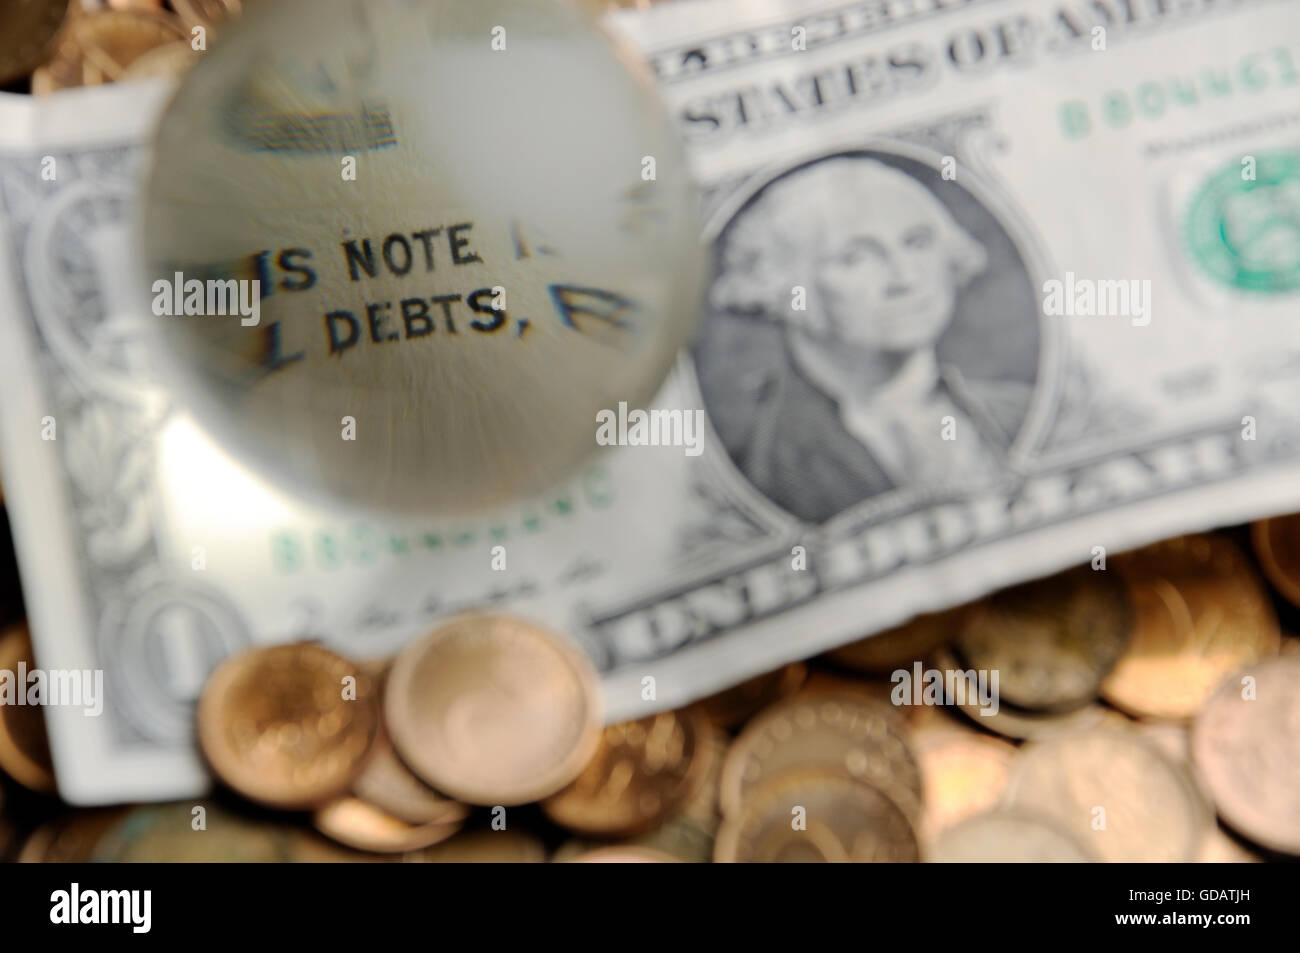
(1053,640)
(1008,837)
(1118,795)
(1246,747)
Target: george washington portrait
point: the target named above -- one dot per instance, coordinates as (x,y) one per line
(871,328)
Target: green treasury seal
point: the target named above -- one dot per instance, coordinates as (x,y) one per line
(1243,225)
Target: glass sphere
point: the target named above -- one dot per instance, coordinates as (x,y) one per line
(403,251)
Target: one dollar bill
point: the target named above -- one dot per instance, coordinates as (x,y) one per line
(998,286)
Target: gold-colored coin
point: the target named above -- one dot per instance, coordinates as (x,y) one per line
(1277,545)
(24,746)
(817,814)
(821,681)
(170,833)
(900,646)
(311,847)
(688,833)
(642,771)
(963,773)
(508,846)
(356,823)
(853,735)
(1021,724)
(27,34)
(679,837)
(736,705)
(100,47)
(1202,613)
(70,839)
(1052,640)
(288,726)
(493,710)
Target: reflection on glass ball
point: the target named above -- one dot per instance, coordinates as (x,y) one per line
(471,227)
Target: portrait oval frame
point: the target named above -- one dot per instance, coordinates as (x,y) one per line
(1029,249)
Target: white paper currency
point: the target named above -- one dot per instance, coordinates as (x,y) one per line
(923,171)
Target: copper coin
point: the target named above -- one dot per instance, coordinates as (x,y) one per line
(882,653)
(688,833)
(493,710)
(1277,545)
(1051,641)
(736,705)
(642,771)
(27,34)
(356,823)
(1116,794)
(1247,752)
(856,736)
(391,786)
(24,745)
(817,814)
(1202,613)
(288,726)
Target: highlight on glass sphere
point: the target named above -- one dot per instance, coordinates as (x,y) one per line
(402,253)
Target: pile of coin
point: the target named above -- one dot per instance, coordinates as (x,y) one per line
(1144,711)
